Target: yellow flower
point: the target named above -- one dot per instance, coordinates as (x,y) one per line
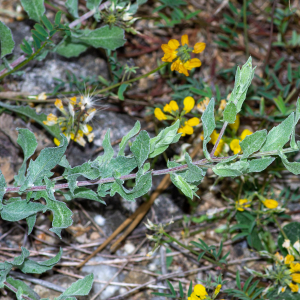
(235,146)
(172,106)
(240,205)
(159,114)
(245,133)
(56,141)
(222,104)
(217,290)
(270,203)
(90,114)
(294,287)
(294,267)
(279,256)
(59,105)
(289,259)
(181,54)
(73,100)
(170,50)
(186,130)
(189,104)
(296,277)
(192,122)
(214,136)
(51,120)
(219,148)
(235,126)
(200,291)
(203,104)
(283,289)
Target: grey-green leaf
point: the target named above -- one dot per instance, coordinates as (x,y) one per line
(7,43)
(26,289)
(293,167)
(208,122)
(47,160)
(182,185)
(71,47)
(30,222)
(121,90)
(297,118)
(231,170)
(104,37)
(128,136)
(141,147)
(72,7)
(29,112)
(278,136)
(253,142)
(93,4)
(34,8)
(230,112)
(81,287)
(20,209)
(260,164)
(27,141)
(2,188)
(194,173)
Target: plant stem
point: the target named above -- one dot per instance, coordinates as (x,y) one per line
(280,228)
(12,288)
(245,27)
(212,154)
(203,163)
(192,251)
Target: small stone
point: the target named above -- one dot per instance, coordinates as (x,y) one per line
(100,220)
(95,235)
(129,248)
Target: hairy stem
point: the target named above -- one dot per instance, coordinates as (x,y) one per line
(212,154)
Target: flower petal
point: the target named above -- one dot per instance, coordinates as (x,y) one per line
(184,40)
(193,121)
(174,105)
(173,44)
(189,104)
(159,114)
(193,63)
(199,47)
(245,133)
(235,146)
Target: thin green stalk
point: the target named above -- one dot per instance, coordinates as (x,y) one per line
(30,58)
(280,228)
(245,27)
(192,251)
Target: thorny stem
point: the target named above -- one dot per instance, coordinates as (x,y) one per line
(203,163)
(212,154)
(191,250)
(21,61)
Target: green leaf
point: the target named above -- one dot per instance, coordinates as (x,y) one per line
(208,121)
(39,118)
(297,118)
(194,173)
(30,222)
(25,288)
(7,43)
(34,8)
(93,4)
(104,37)
(72,7)
(253,142)
(141,148)
(286,295)
(292,231)
(231,170)
(162,141)
(280,104)
(121,90)
(47,160)
(243,80)
(289,72)
(230,113)
(27,141)
(260,164)
(20,209)
(84,193)
(293,167)
(81,287)
(142,186)
(182,185)
(71,47)
(2,188)
(57,18)
(128,136)
(47,23)
(39,267)
(278,136)
(41,29)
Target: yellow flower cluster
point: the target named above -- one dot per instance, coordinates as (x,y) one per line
(180,56)
(73,122)
(200,292)
(241,204)
(172,113)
